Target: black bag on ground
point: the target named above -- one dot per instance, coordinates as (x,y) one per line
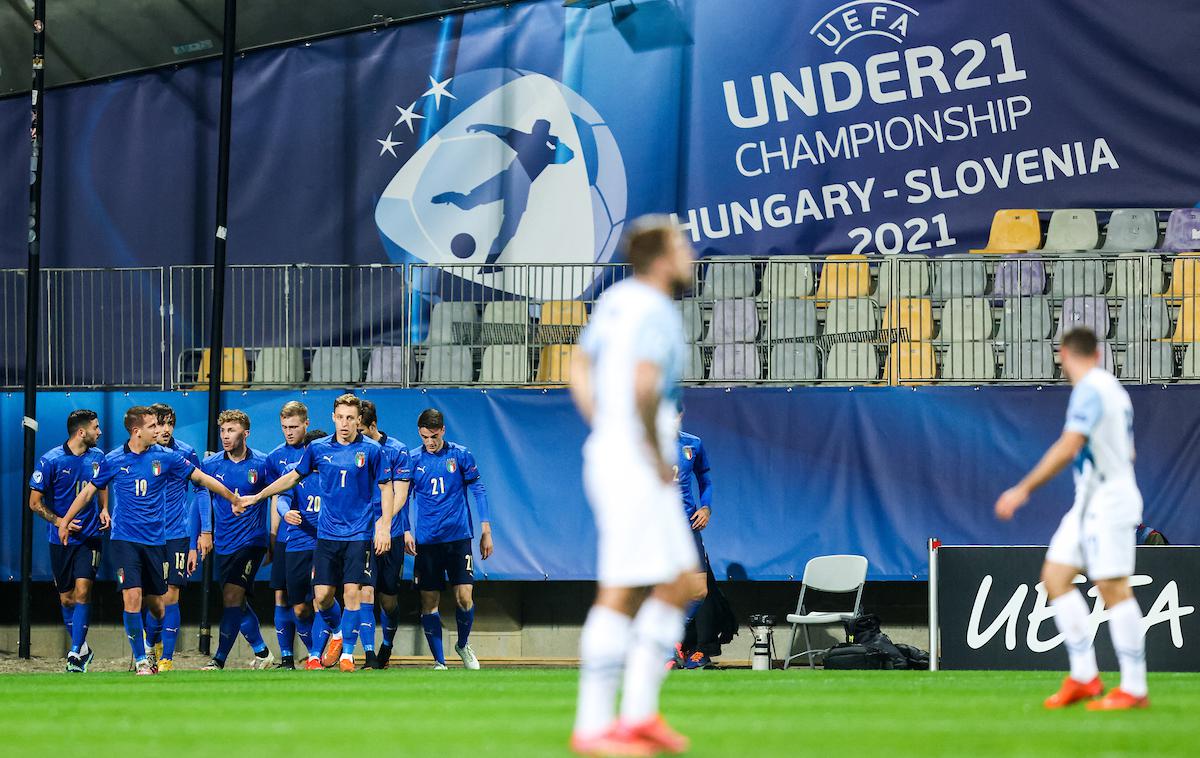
(847,656)
(918,659)
(864,630)
(725,622)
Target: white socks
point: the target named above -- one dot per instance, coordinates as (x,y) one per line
(1125,626)
(656,629)
(1071,616)
(602,649)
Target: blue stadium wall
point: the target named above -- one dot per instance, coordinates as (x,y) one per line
(798,473)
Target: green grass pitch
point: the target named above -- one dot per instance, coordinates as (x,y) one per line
(523,712)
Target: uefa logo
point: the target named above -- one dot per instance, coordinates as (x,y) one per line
(863,18)
(515,167)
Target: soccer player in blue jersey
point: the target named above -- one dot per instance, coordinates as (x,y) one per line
(442,472)
(181,544)
(693,468)
(349,468)
(61,473)
(390,568)
(139,471)
(238,536)
(289,618)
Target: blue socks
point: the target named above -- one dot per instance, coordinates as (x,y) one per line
(153,627)
(170,630)
(391,622)
(690,612)
(78,626)
(231,622)
(366,626)
(465,619)
(252,629)
(285,628)
(68,616)
(304,629)
(134,631)
(432,624)
(349,631)
(321,628)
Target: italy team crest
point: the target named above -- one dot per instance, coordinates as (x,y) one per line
(95,469)
(156,467)
(252,476)
(360,459)
(451,465)
(120,576)
(687,452)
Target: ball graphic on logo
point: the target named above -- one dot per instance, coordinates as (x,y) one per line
(519,168)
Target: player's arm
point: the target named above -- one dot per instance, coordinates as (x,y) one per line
(105,517)
(37,504)
(283,506)
(204,521)
(383,527)
(581,384)
(214,485)
(646,378)
(499,131)
(1057,458)
(67,524)
(704,486)
(283,483)
(480,498)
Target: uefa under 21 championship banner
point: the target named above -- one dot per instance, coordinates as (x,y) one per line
(532,133)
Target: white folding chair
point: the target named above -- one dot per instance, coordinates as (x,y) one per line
(827,573)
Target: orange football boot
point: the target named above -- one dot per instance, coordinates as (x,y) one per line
(1073,691)
(1118,700)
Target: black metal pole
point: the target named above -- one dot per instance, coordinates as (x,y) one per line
(216,364)
(33,291)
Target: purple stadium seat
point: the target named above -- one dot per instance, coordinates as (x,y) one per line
(1091,312)
(734,321)
(1183,232)
(736,362)
(1020,276)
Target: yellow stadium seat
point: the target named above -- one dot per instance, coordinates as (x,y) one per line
(1185,277)
(1013,231)
(554,364)
(914,314)
(910,363)
(564,313)
(234,374)
(844,276)
(1187,326)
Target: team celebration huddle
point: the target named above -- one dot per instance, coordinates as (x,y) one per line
(330,512)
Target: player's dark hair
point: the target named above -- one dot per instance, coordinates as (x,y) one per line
(349,399)
(646,239)
(164,412)
(79,419)
(1081,341)
(368,413)
(314,434)
(431,418)
(136,416)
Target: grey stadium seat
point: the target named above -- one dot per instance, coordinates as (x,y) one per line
(725,281)
(791,318)
(693,321)
(795,362)
(966,319)
(1130,230)
(449,364)
(852,362)
(969,362)
(693,369)
(442,320)
(911,274)
(736,363)
(852,315)
(1028,360)
(1131,321)
(959,276)
(505,364)
(734,321)
(505,322)
(1091,312)
(336,365)
(1131,278)
(278,365)
(1076,278)
(386,365)
(788,276)
(1025,319)
(1191,362)
(1072,229)
(1162,362)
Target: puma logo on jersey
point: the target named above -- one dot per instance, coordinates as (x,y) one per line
(327,458)
(125,469)
(220,476)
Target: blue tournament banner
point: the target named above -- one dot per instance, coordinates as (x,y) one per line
(812,471)
(532,132)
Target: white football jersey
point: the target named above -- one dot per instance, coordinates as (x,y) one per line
(1101,410)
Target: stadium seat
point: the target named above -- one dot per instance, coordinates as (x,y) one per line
(857,315)
(787,276)
(1108,359)
(1013,231)
(1091,312)
(449,364)
(911,314)
(958,276)
(693,321)
(1020,276)
(736,362)
(966,319)
(1028,360)
(1074,278)
(1162,362)
(1131,324)
(969,362)
(1187,323)
(844,276)
(1185,276)
(1191,362)
(563,313)
(505,364)
(233,368)
(386,365)
(728,280)
(505,322)
(336,365)
(795,362)
(852,362)
(1130,230)
(442,320)
(1072,230)
(734,321)
(836,574)
(791,318)
(910,363)
(693,369)
(278,365)
(554,364)
(903,275)
(1183,232)
(1137,277)
(1025,319)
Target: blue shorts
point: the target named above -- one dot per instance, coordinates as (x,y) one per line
(299,576)
(700,549)
(177,553)
(139,565)
(279,567)
(336,563)
(240,566)
(71,562)
(391,568)
(442,561)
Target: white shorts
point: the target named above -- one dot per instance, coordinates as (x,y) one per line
(1099,536)
(644,535)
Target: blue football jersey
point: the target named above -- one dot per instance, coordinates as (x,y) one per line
(347,478)
(138,491)
(692,467)
(180,494)
(279,461)
(396,458)
(248,476)
(59,475)
(438,495)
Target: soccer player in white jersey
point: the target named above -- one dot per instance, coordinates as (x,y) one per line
(1096,536)
(625,382)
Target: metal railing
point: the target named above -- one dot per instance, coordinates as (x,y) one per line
(843,320)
